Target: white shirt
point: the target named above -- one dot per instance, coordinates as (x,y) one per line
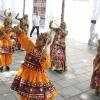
(36,20)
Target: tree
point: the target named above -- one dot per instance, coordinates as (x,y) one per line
(62,13)
(23,7)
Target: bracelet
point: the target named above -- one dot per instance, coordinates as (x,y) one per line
(42,60)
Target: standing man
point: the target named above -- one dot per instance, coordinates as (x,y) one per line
(35,21)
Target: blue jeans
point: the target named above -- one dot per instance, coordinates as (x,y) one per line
(37,27)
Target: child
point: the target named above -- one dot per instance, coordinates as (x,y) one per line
(6,46)
(58,48)
(24,25)
(9,15)
(95,79)
(31,81)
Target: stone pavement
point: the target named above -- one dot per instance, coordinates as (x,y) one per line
(72,84)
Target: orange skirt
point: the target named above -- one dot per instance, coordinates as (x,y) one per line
(6,52)
(33,84)
(51,98)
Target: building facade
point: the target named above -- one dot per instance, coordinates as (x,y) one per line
(40,5)
(80,15)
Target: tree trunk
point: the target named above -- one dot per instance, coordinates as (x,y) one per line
(23,7)
(62,13)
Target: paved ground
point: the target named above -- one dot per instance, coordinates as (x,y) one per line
(72,84)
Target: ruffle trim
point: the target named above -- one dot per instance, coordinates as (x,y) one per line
(32,90)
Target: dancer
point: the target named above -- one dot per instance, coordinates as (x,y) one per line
(58,48)
(24,25)
(9,15)
(95,79)
(31,81)
(6,46)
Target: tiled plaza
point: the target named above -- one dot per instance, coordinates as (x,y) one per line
(72,84)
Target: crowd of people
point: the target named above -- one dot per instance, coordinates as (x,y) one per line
(32,82)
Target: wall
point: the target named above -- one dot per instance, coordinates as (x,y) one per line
(16,6)
(29,11)
(96,16)
(53,12)
(78,16)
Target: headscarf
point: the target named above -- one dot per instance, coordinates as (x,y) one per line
(10,17)
(65,28)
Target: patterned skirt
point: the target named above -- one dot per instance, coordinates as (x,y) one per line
(58,56)
(33,84)
(6,52)
(95,79)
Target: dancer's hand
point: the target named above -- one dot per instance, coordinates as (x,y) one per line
(50,26)
(2,30)
(18,14)
(44,50)
(51,22)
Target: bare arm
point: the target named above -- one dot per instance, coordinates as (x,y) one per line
(26,43)
(50,26)
(64,33)
(33,22)
(16,17)
(2,16)
(5,12)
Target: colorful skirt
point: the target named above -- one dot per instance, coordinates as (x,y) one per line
(95,79)
(33,84)
(58,56)
(6,52)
